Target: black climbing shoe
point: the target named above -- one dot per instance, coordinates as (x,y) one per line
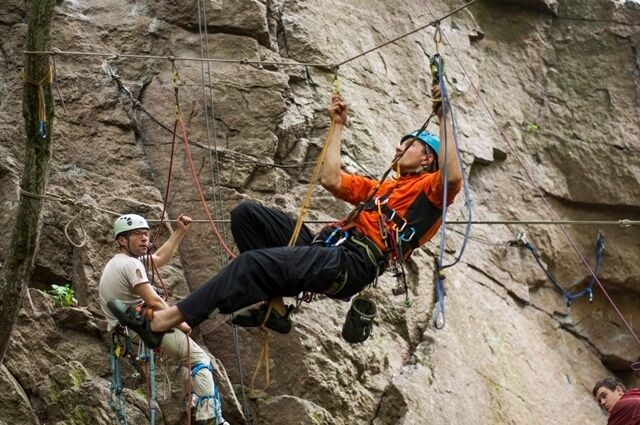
(255,317)
(139,323)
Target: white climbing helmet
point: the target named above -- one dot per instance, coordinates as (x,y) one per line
(128,222)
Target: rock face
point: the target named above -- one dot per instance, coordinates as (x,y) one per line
(560,78)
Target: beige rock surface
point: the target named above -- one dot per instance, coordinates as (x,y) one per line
(562,80)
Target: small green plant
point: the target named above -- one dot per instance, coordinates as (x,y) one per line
(63,295)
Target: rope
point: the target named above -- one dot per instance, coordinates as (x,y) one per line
(311,187)
(263,360)
(215,173)
(115,56)
(194,173)
(46,79)
(569,297)
(55,82)
(432,23)
(465,183)
(153,404)
(623,223)
(116,399)
(83,240)
(439,319)
(540,193)
(245,61)
(447,107)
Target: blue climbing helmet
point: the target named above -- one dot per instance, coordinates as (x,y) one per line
(429,139)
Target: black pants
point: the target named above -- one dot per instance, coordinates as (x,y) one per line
(266,267)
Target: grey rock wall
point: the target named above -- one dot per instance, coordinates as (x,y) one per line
(561,79)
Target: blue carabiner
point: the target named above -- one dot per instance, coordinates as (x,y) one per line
(405,238)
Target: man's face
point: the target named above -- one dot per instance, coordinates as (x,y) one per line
(415,158)
(607,398)
(136,241)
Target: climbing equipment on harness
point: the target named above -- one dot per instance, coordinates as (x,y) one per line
(521,240)
(120,347)
(359,322)
(128,222)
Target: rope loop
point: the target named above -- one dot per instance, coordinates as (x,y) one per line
(83,236)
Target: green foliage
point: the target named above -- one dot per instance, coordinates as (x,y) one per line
(63,295)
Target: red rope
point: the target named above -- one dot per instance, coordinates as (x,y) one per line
(541,195)
(196,182)
(166,190)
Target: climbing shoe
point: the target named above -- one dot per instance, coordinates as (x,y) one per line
(359,323)
(137,321)
(256,317)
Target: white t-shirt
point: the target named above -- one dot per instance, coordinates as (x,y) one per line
(119,276)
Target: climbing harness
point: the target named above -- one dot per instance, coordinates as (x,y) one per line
(522,241)
(45,80)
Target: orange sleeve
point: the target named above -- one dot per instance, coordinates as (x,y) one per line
(434,189)
(354,189)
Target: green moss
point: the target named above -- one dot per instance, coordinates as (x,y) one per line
(77,377)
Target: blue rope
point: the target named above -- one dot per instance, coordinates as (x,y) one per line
(116,400)
(439,316)
(568,296)
(152,384)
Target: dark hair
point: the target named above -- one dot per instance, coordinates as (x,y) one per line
(429,151)
(610,383)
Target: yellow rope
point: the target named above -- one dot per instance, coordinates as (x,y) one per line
(312,184)
(46,79)
(263,362)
